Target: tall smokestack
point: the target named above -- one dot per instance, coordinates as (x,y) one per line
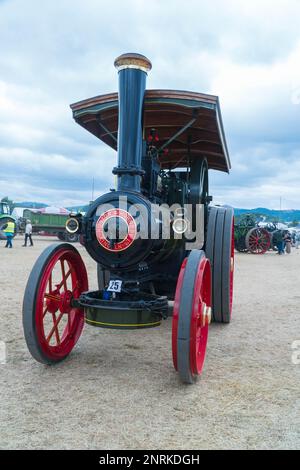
(132,69)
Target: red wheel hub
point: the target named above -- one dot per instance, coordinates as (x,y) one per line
(65,302)
(52,301)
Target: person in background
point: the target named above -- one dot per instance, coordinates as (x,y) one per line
(9,230)
(297,240)
(280,242)
(28,233)
(288,242)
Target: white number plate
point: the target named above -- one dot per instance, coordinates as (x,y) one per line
(115,286)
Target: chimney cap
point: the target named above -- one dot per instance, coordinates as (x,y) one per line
(133,61)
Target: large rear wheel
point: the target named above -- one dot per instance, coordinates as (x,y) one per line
(52,323)
(220,251)
(191,316)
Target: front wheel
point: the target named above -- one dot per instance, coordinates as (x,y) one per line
(52,324)
(191,316)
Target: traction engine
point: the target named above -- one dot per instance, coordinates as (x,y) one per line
(161,248)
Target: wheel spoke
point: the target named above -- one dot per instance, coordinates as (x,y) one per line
(45,311)
(54,328)
(64,280)
(76,289)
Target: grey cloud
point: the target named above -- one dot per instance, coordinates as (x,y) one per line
(55,53)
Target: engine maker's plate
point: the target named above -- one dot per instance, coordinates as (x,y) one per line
(116,230)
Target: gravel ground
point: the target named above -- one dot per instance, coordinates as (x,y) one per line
(119,390)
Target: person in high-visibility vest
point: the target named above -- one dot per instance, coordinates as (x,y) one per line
(9,231)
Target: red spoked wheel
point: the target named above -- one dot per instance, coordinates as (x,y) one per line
(191,316)
(258,241)
(52,322)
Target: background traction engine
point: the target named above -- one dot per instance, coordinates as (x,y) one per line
(166,142)
(250,237)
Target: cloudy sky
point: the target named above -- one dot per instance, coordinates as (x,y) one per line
(56,53)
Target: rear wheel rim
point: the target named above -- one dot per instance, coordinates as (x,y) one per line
(59,324)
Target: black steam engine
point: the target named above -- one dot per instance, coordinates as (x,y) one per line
(161,249)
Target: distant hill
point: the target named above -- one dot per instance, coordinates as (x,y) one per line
(30,205)
(40,205)
(271,214)
(83,208)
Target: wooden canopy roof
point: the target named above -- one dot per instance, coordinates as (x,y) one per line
(189,125)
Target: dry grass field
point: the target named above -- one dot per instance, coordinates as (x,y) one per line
(119,390)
